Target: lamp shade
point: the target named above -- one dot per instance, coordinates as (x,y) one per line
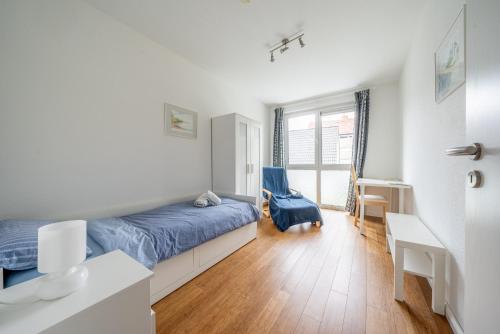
(61,245)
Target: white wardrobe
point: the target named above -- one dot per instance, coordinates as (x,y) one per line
(236,155)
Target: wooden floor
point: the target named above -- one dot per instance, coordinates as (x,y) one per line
(305,280)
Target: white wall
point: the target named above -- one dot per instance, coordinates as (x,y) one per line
(428,129)
(81,113)
(383,153)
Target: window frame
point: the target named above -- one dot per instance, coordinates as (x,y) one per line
(318,165)
(286,117)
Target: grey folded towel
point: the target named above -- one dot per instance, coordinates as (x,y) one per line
(207,199)
(213,198)
(201,201)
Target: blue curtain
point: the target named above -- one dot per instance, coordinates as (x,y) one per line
(278,140)
(359,143)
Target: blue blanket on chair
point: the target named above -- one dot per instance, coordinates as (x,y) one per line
(287,209)
(290,210)
(275,181)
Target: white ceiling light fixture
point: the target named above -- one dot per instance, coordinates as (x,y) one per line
(283,45)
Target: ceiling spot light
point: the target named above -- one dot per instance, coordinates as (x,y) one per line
(283,45)
(284,42)
(301,42)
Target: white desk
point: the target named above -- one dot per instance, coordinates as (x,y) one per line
(115,299)
(363,183)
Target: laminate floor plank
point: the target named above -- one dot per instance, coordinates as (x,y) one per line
(305,280)
(333,317)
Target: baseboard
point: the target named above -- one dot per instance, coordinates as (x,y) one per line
(450,316)
(452,320)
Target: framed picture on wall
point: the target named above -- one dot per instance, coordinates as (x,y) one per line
(450,59)
(180,122)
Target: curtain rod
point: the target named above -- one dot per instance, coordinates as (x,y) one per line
(321,97)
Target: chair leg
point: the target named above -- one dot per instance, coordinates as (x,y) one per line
(356,213)
(265,210)
(384,211)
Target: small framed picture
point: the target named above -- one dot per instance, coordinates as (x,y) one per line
(450,59)
(180,122)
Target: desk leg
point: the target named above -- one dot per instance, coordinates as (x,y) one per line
(399,263)
(401,200)
(390,199)
(438,283)
(362,209)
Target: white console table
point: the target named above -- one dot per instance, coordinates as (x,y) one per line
(416,250)
(114,300)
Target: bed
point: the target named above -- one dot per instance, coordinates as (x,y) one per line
(177,241)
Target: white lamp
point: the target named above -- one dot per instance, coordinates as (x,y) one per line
(62,247)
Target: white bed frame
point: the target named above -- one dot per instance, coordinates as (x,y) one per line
(180,269)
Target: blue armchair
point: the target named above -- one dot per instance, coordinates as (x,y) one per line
(287,208)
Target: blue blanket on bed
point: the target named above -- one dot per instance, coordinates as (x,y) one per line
(156,235)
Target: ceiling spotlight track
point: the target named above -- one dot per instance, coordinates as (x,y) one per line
(283,45)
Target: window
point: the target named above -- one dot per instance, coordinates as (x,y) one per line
(301,140)
(337,132)
(318,147)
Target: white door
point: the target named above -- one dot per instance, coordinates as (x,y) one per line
(254,176)
(242,153)
(482,237)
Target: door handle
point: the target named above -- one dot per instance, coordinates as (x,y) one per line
(474,151)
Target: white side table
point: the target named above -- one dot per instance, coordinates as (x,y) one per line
(416,250)
(114,300)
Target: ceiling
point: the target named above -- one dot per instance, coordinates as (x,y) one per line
(349,43)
